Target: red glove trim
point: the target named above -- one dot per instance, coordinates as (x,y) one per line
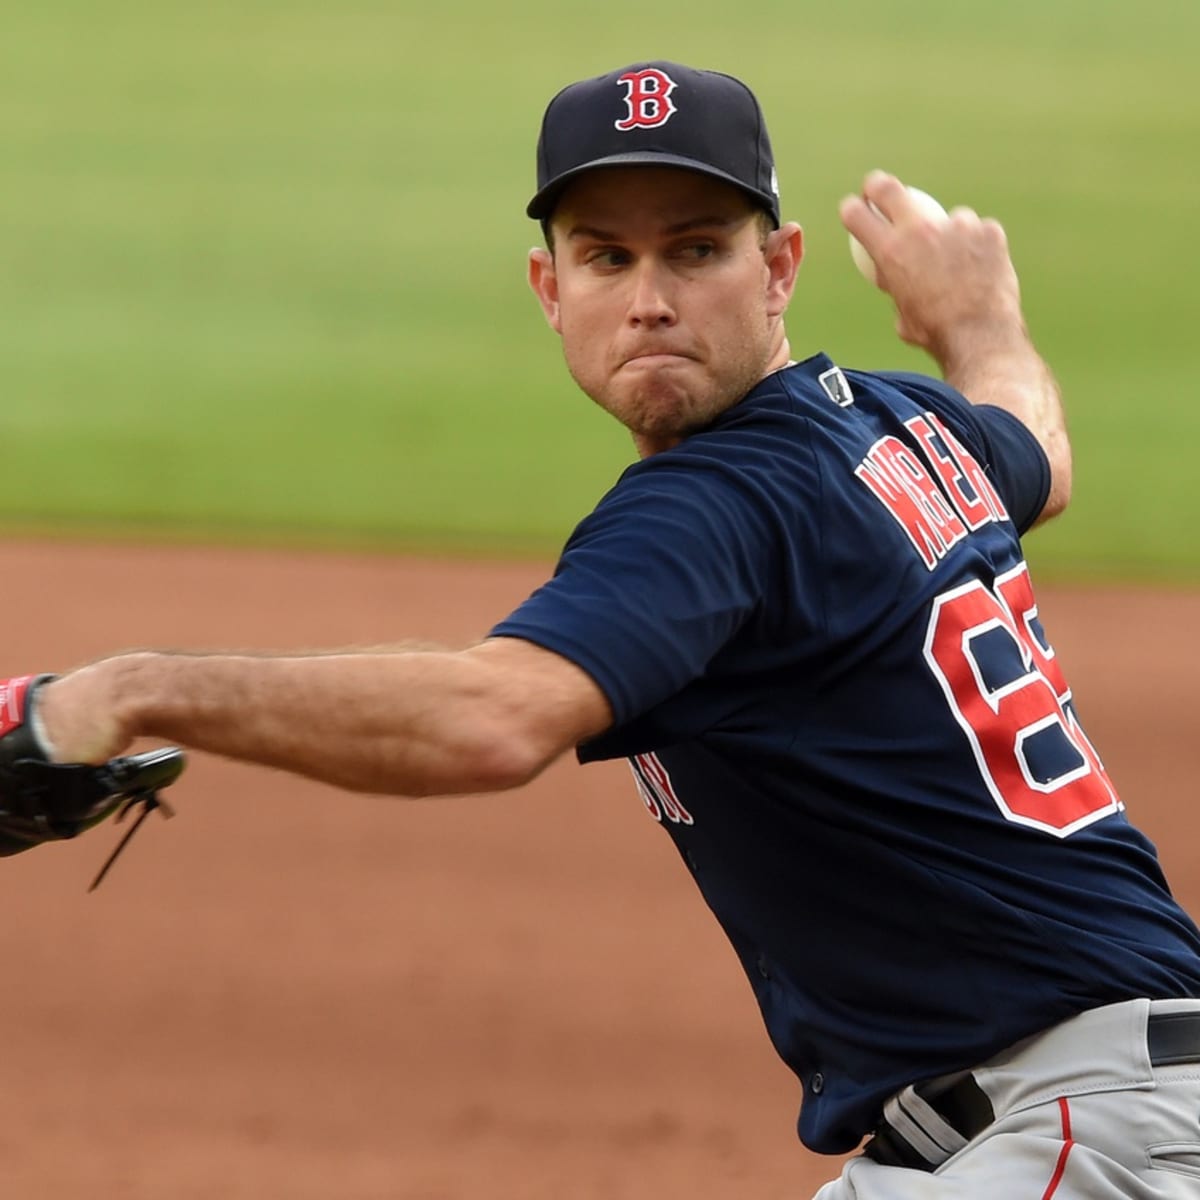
(13,693)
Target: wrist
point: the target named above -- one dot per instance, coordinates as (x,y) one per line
(988,340)
(93,713)
(129,691)
(37,728)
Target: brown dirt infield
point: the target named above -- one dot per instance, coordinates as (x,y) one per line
(292,992)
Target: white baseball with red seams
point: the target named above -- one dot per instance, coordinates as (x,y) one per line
(864,262)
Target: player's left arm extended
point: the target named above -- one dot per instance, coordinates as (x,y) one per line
(410,723)
(957,297)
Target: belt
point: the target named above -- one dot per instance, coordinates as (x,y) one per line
(1171,1038)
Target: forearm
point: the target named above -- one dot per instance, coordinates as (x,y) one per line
(414,723)
(999,365)
(408,723)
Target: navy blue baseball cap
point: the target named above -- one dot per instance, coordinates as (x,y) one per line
(660,114)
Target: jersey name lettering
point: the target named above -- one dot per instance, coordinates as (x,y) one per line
(936,504)
(657,791)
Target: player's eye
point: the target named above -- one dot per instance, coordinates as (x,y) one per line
(606,257)
(697,251)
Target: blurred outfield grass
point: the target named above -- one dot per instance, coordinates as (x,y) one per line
(261,263)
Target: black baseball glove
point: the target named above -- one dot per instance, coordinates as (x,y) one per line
(43,801)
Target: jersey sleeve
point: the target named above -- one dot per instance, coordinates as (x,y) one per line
(655,581)
(1007,450)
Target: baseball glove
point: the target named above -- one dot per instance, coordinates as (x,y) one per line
(43,801)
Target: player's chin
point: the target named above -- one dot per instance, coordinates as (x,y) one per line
(670,417)
(663,403)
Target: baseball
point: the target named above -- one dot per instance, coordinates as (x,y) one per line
(863,261)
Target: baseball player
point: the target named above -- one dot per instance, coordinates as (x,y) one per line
(804,618)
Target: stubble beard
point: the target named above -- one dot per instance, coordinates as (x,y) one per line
(660,407)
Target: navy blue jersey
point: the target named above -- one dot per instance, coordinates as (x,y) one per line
(815,627)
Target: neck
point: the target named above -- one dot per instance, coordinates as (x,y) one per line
(781,358)
(646,445)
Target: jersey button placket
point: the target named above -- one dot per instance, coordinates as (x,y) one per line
(816,1084)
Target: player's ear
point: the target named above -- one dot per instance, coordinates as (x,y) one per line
(544,280)
(783,252)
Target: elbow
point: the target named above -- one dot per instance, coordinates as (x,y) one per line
(1059,495)
(1056,501)
(508,767)
(503,759)
(521,708)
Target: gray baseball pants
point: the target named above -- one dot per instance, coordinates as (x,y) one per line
(1080,1112)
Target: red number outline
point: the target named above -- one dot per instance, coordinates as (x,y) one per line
(999,721)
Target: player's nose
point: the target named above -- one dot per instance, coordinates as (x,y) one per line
(650,301)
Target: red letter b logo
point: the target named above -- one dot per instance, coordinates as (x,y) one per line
(648,98)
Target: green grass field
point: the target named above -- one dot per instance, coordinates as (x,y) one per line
(262,262)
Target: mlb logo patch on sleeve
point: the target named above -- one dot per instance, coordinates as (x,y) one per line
(836,387)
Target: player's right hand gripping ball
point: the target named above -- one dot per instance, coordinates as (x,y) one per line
(926,205)
(43,801)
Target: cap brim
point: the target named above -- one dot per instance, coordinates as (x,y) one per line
(542,205)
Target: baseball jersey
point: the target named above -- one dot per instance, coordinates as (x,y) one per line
(815,626)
